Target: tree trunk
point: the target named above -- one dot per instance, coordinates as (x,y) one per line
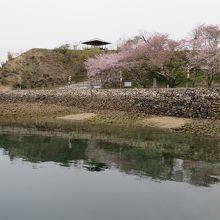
(171,82)
(194,79)
(193,83)
(210,79)
(144,85)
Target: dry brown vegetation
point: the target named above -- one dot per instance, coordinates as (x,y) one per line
(42,68)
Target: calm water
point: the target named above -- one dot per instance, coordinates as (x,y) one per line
(66,178)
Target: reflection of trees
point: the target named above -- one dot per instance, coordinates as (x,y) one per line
(95,166)
(158,161)
(156,164)
(42,149)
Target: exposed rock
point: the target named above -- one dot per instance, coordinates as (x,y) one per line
(191,103)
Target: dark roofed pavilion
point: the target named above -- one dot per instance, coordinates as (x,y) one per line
(96,42)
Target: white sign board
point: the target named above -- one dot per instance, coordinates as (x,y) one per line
(127,84)
(97,87)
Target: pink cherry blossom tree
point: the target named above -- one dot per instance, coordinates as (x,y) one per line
(204,50)
(162,53)
(158,50)
(108,66)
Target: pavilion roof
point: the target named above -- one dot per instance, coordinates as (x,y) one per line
(96,42)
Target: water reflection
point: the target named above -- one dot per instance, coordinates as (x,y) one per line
(194,161)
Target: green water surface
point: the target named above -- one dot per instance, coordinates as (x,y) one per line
(61,177)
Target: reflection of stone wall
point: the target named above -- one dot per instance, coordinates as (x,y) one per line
(196,103)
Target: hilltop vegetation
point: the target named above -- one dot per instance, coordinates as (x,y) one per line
(193,61)
(43,68)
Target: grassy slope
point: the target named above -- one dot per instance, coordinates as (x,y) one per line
(40,68)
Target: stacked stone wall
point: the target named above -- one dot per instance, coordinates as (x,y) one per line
(194,103)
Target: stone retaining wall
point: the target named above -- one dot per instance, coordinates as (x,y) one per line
(195,103)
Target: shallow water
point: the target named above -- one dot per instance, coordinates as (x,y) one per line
(63,177)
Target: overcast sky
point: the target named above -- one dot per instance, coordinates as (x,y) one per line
(29,24)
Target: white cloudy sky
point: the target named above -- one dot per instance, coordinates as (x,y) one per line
(29,24)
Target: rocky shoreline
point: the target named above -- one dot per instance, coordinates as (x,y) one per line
(49,117)
(137,108)
(186,103)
